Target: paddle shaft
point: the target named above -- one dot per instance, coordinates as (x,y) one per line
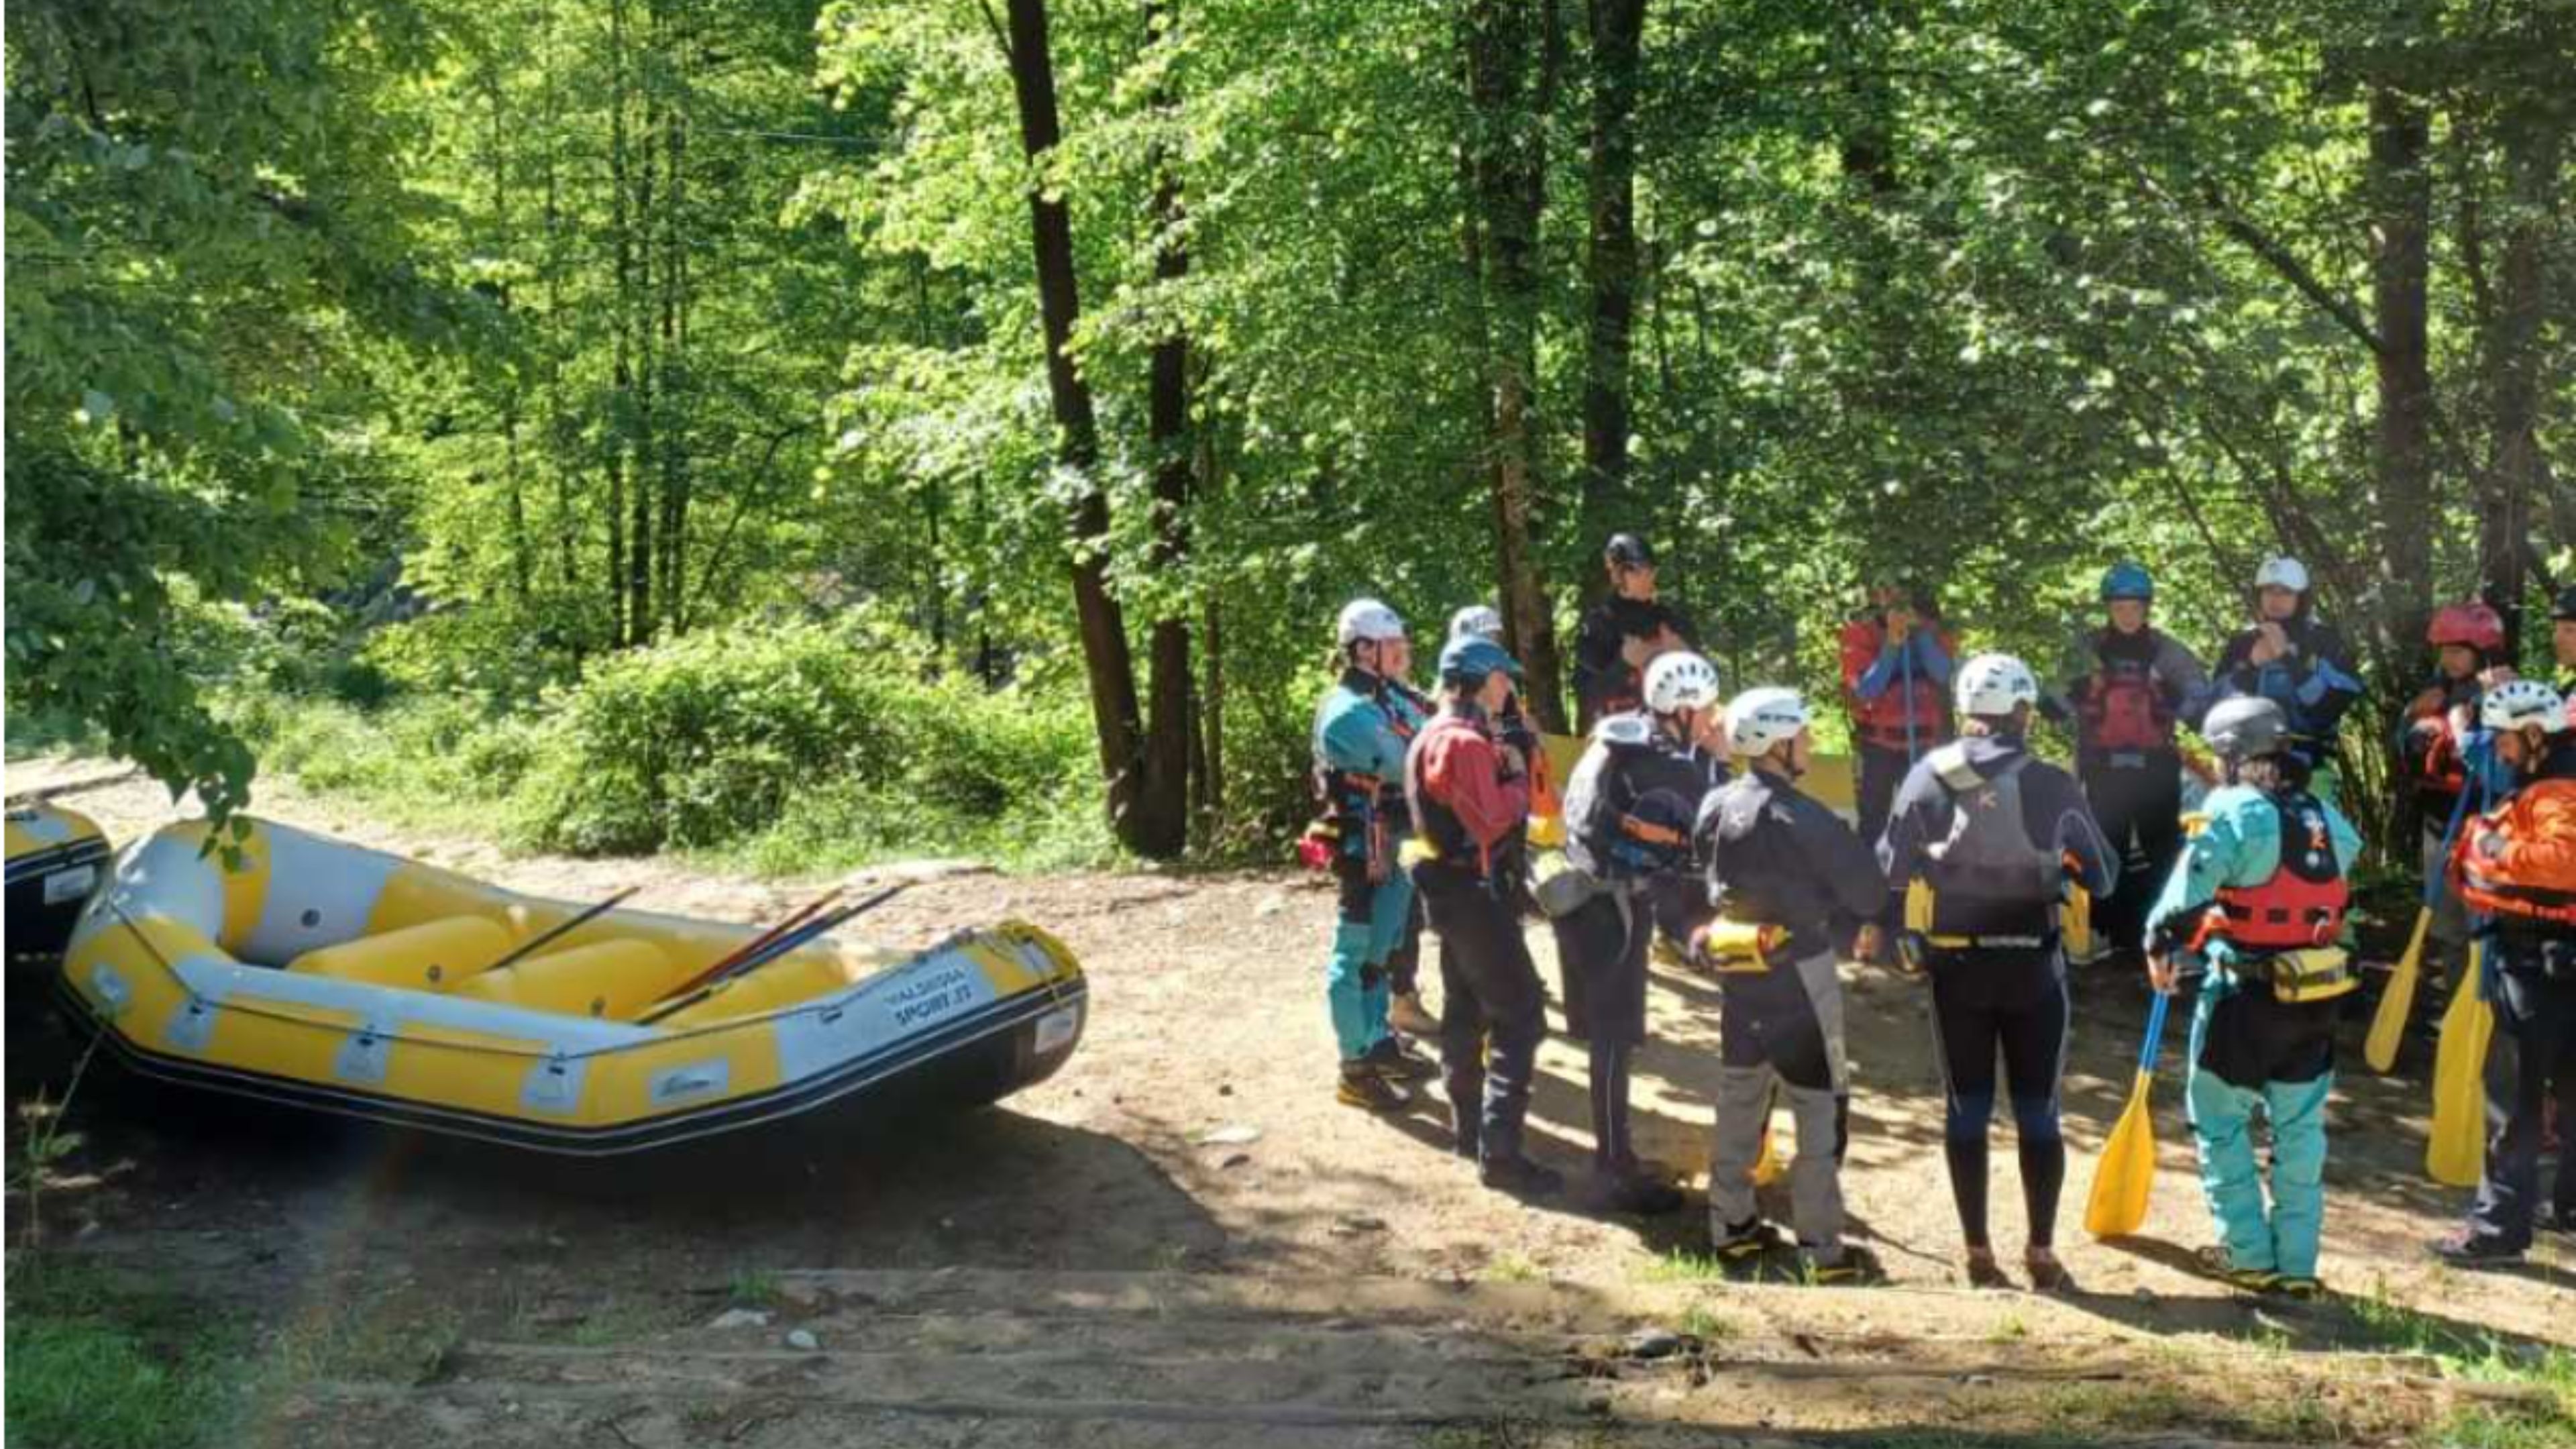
(790,941)
(716,969)
(558,932)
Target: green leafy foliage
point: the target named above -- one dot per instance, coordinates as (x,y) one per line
(741,325)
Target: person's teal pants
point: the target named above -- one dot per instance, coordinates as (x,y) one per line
(1371,926)
(2281,1238)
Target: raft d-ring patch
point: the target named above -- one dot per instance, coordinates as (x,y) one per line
(362,1057)
(554,1085)
(112,992)
(191,1026)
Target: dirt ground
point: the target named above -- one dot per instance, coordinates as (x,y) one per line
(1183,1235)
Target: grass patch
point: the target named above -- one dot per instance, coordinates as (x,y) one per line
(387,1340)
(1707,1325)
(97,1362)
(1680,1265)
(753,1288)
(1513,1268)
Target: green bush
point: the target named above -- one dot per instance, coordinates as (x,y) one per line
(817,740)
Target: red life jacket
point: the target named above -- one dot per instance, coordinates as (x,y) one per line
(2124,711)
(2303,903)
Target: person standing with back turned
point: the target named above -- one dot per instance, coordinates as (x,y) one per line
(2259,897)
(1994,835)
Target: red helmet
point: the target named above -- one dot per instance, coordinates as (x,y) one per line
(2472,625)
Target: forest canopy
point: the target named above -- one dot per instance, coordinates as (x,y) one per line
(925,411)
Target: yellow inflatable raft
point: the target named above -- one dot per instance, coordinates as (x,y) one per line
(321,974)
(57,858)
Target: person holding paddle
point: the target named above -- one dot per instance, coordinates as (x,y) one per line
(2258,899)
(2515,868)
(2299,662)
(1993,834)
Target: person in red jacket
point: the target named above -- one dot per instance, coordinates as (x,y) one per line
(1896,661)
(1471,799)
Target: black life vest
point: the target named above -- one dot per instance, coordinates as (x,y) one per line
(1630,804)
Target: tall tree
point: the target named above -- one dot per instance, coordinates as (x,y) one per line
(1162,803)
(1618,33)
(1098,617)
(1514,59)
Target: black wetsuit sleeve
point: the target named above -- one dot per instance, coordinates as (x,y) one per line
(1847,867)
(1919,816)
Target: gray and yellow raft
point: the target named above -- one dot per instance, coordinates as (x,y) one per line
(320,974)
(57,857)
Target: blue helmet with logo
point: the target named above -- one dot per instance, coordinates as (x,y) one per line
(1467,660)
(2127,581)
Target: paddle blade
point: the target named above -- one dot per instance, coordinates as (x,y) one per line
(2398,1001)
(2456,1153)
(2127,1173)
(1767,1169)
(2078,926)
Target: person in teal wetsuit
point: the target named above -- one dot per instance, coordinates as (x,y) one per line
(2259,896)
(1361,731)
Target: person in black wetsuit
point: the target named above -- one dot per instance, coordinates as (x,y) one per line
(1629,810)
(1788,868)
(1622,634)
(1993,834)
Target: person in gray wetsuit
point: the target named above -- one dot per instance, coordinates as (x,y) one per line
(1783,864)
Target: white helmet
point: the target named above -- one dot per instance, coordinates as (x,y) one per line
(1678,681)
(2283,571)
(1366,619)
(1991,685)
(1478,620)
(2519,702)
(1760,719)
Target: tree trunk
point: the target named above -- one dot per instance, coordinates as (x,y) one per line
(2401,200)
(1103,625)
(1162,804)
(522,564)
(1618,29)
(1513,53)
(675,365)
(648,371)
(621,368)
(2511,356)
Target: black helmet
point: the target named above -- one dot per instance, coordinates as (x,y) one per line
(2245,728)
(2565,608)
(1628,551)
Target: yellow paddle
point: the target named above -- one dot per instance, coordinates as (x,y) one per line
(2388,1025)
(2398,1001)
(2456,1153)
(2127,1172)
(1768,1169)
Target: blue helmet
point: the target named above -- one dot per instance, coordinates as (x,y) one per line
(2127,581)
(1466,661)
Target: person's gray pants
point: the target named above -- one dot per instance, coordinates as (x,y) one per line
(1783,1037)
